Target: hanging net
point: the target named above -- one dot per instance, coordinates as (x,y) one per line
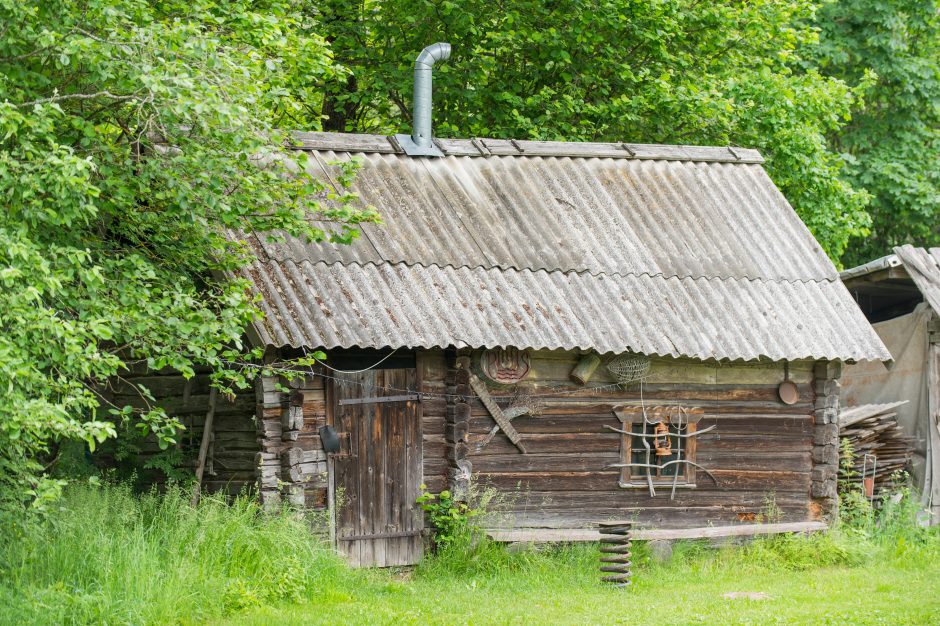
(629,368)
(523,400)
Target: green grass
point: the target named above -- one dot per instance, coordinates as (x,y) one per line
(107,556)
(891,585)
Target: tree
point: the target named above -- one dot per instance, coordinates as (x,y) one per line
(670,71)
(137,139)
(893,142)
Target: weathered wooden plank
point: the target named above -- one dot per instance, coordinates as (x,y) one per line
(541,535)
(613,498)
(538,443)
(714,412)
(735,442)
(731,482)
(162,386)
(343,142)
(553,367)
(766,425)
(571,461)
(791,461)
(655,517)
(243,404)
(607,441)
(496,412)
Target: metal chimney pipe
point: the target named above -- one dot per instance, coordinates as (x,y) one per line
(421,132)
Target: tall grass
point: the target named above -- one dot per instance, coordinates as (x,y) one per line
(107,555)
(864,535)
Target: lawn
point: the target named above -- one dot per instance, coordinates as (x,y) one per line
(899,586)
(106,555)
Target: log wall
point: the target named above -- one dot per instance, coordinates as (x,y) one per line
(290,461)
(230,462)
(765,454)
(762,451)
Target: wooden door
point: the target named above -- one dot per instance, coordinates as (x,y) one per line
(378,471)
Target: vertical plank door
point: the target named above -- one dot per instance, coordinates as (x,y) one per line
(378,470)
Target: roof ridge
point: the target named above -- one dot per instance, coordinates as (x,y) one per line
(486,147)
(563,272)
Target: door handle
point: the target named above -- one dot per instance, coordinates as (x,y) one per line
(344,451)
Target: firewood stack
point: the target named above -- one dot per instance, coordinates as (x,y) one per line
(873,429)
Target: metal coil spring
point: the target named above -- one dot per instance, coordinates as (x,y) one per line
(616,552)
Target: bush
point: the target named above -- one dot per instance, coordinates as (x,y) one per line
(452,519)
(108,555)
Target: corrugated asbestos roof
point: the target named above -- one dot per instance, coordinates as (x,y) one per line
(924,268)
(597,215)
(337,305)
(666,250)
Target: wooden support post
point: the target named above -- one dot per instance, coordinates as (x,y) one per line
(457,424)
(826,436)
(204,446)
(269,402)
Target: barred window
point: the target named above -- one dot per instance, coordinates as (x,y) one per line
(655,447)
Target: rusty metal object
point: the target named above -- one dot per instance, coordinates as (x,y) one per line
(788,392)
(662,442)
(616,546)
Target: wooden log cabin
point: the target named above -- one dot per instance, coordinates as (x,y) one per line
(597,331)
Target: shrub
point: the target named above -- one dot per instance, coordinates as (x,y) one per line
(452,519)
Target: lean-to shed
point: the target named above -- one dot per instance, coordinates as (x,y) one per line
(596,330)
(900,295)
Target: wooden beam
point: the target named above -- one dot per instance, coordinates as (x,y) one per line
(498,416)
(204,446)
(543,535)
(891,273)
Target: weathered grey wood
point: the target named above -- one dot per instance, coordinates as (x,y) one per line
(380,399)
(480,388)
(204,446)
(343,142)
(541,535)
(380,472)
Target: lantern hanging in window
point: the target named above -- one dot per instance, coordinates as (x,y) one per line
(662,442)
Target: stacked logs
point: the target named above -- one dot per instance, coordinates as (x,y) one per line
(873,429)
(615,552)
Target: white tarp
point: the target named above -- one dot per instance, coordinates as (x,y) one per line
(906,337)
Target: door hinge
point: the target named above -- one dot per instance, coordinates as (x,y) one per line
(380,399)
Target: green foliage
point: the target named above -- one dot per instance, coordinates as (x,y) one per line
(105,555)
(669,71)
(855,509)
(137,139)
(891,50)
(452,520)
(892,517)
